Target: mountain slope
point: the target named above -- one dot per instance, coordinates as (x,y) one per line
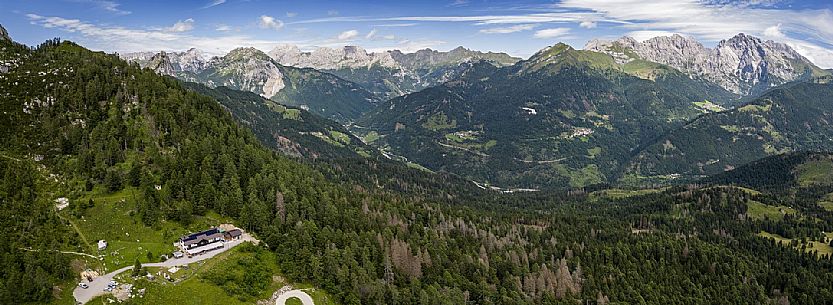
(251,70)
(743,64)
(295,132)
(794,117)
(563,117)
(781,172)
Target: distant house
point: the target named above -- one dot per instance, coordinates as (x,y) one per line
(102,244)
(200,239)
(233,234)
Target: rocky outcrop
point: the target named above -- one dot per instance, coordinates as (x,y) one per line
(248,69)
(192,60)
(329,58)
(161,64)
(390,73)
(4,35)
(430,58)
(742,64)
(352,57)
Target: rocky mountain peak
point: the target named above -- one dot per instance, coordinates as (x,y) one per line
(330,58)
(4,35)
(459,49)
(743,64)
(551,51)
(161,63)
(244,53)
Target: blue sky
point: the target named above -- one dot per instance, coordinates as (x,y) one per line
(516,27)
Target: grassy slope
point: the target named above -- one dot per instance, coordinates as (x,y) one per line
(786,119)
(191,282)
(110,218)
(827,202)
(822,248)
(759,211)
(815,172)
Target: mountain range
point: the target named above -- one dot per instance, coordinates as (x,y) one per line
(292,77)
(562,117)
(743,64)
(391,73)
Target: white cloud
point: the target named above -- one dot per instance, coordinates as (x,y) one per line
(562,16)
(391,25)
(509,29)
(706,20)
(110,6)
(223,28)
(332,13)
(269,22)
(214,3)
(552,33)
(291,14)
(712,21)
(505,19)
(587,24)
(774,32)
(371,35)
(121,39)
(459,3)
(822,57)
(182,26)
(348,35)
(374,35)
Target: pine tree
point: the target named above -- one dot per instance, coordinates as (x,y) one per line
(137,268)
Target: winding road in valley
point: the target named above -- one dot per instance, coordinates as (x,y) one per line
(97,286)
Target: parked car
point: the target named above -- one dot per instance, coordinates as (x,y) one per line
(83,285)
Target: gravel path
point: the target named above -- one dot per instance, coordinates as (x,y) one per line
(97,286)
(303,296)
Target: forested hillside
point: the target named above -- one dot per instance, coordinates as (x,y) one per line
(562,118)
(89,120)
(249,69)
(781,172)
(293,131)
(794,117)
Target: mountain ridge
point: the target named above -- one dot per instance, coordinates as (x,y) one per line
(560,118)
(252,70)
(742,64)
(792,117)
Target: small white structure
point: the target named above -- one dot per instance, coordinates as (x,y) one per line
(61,203)
(102,244)
(203,249)
(529,110)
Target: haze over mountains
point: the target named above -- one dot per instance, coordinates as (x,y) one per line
(562,117)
